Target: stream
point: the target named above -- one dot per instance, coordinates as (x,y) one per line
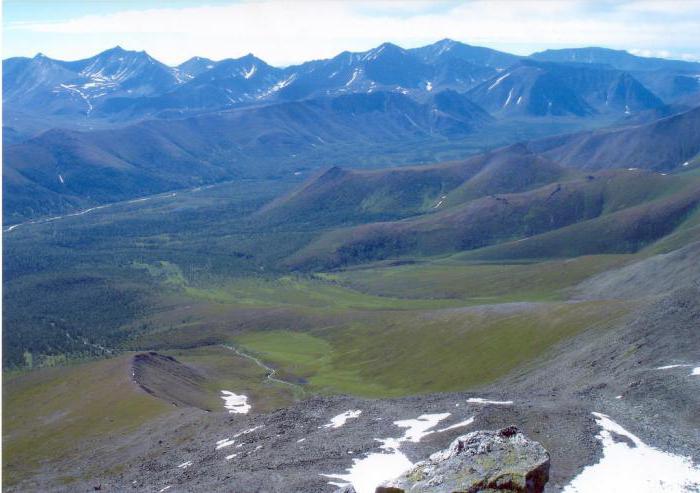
(270,372)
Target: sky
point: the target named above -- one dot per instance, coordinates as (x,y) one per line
(287,32)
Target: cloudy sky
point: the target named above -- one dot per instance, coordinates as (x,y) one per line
(286,32)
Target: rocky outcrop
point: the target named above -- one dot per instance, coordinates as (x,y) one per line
(482,461)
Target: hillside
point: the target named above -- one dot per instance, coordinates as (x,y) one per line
(134,126)
(339,196)
(63,168)
(662,145)
(511,360)
(607,214)
(547,89)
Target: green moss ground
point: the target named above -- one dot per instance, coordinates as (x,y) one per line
(51,414)
(397,354)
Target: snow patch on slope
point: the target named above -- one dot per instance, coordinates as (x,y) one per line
(498,81)
(341,419)
(634,469)
(479,400)
(368,472)
(236,404)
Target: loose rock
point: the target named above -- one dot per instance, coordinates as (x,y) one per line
(482,461)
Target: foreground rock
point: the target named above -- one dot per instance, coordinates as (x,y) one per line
(481,461)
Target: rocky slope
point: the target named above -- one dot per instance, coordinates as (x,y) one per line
(503,460)
(630,389)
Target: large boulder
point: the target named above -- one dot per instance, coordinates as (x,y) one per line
(482,461)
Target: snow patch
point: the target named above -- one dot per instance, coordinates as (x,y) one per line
(418,428)
(85,98)
(669,367)
(236,404)
(373,54)
(479,400)
(249,430)
(366,473)
(510,96)
(461,424)
(498,81)
(247,74)
(341,419)
(279,86)
(635,469)
(355,73)
(226,442)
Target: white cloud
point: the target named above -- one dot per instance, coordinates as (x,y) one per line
(288,32)
(650,53)
(665,7)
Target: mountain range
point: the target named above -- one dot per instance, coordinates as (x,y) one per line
(121,125)
(117,85)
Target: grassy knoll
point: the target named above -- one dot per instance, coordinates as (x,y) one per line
(59,412)
(486,283)
(304,291)
(401,353)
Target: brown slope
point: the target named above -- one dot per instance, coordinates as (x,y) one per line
(497,219)
(166,378)
(338,196)
(625,231)
(661,145)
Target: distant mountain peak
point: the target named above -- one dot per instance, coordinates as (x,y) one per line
(117,50)
(446,44)
(251,58)
(383,49)
(390,45)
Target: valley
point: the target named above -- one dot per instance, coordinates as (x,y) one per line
(274,279)
(366,330)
